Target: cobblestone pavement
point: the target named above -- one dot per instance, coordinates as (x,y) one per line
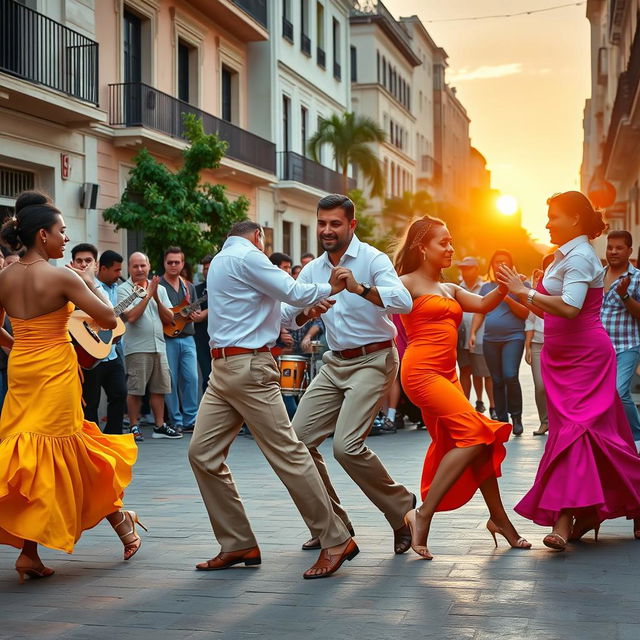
(469,591)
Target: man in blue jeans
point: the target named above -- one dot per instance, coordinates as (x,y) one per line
(182,402)
(620,314)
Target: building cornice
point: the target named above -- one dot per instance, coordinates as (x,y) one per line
(312,87)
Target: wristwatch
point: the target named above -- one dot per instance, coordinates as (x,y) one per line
(366,287)
(625,297)
(531,295)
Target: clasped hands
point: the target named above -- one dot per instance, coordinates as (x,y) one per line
(510,281)
(341,279)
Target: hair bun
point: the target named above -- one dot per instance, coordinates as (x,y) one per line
(28,198)
(9,235)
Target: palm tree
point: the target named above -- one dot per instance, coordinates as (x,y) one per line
(350,136)
(409,205)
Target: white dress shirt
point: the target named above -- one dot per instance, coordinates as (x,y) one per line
(245,291)
(575,269)
(536,324)
(353,321)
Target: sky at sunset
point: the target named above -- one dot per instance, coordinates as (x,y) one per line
(523,81)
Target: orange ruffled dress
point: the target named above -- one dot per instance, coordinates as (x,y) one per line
(430,381)
(59,475)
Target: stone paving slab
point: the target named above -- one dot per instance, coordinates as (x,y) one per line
(471,590)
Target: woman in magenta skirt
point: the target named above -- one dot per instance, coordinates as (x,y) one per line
(590,470)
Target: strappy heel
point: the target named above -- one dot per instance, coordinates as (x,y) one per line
(493,528)
(130,548)
(420,549)
(555,541)
(578,531)
(33,572)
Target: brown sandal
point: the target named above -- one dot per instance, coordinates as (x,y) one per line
(329,564)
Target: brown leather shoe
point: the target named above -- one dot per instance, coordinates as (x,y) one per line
(402,536)
(329,564)
(314,543)
(226,559)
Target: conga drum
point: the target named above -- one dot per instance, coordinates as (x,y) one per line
(294,374)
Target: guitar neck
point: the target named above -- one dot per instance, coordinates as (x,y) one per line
(120,307)
(193,306)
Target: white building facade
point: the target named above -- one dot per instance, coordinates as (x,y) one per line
(303,75)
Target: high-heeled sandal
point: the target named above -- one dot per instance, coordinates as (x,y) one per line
(580,529)
(493,528)
(555,541)
(130,548)
(420,549)
(33,572)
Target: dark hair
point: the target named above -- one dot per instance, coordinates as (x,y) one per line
(498,252)
(307,255)
(409,256)
(278,258)
(576,203)
(109,258)
(33,211)
(243,228)
(337,201)
(174,249)
(207,259)
(621,235)
(82,247)
(296,269)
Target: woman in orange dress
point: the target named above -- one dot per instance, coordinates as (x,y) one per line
(466,448)
(59,475)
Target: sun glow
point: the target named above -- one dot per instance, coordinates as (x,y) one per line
(507,205)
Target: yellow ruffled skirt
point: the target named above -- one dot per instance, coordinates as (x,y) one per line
(59,475)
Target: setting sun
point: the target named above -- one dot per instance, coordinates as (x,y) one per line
(507,205)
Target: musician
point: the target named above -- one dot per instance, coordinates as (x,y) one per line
(363,362)
(145,352)
(109,373)
(84,255)
(245,291)
(200,324)
(182,402)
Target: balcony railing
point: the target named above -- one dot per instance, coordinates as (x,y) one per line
(287,29)
(321,58)
(628,84)
(305,44)
(43,51)
(135,104)
(257,9)
(337,71)
(293,166)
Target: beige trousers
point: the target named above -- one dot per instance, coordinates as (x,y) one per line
(343,399)
(246,388)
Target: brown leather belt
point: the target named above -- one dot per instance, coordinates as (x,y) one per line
(227,352)
(347,354)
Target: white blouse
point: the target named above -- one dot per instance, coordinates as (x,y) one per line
(575,269)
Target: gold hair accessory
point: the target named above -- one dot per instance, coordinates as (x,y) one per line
(420,235)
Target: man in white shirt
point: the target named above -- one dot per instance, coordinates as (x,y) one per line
(245,294)
(362,363)
(145,352)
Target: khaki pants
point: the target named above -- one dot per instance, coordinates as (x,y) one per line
(343,399)
(246,388)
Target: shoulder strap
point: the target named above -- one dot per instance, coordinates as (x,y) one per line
(187,293)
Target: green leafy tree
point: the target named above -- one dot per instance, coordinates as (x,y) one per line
(350,136)
(368,229)
(175,208)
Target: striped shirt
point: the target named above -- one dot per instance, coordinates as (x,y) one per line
(621,326)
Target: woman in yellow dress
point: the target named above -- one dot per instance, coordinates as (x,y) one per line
(59,475)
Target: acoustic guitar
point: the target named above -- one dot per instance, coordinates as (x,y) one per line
(93,343)
(181,313)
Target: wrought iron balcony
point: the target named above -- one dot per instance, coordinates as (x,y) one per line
(305,44)
(628,85)
(287,29)
(257,9)
(135,104)
(45,52)
(321,58)
(293,166)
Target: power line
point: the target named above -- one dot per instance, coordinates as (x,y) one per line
(512,15)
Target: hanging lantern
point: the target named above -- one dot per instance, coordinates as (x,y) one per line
(601,192)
